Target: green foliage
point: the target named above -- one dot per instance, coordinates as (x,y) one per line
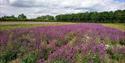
(30,58)
(115,56)
(8,18)
(45,18)
(22,17)
(60,42)
(80,58)
(87,58)
(94,17)
(7,56)
(96,59)
(92,58)
(60,60)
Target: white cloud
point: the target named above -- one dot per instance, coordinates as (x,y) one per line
(34,8)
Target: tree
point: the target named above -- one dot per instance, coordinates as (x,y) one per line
(8,18)
(22,17)
(45,18)
(96,17)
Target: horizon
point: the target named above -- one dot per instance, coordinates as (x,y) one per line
(35,8)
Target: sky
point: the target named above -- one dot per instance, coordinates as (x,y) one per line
(35,8)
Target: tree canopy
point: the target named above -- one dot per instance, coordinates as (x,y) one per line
(94,17)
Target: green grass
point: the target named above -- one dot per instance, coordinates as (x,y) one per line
(14,26)
(8,27)
(120,26)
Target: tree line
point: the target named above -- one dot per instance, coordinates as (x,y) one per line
(20,17)
(94,17)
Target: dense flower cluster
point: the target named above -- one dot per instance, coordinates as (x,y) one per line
(77,43)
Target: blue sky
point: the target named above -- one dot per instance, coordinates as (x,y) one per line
(34,8)
(120,0)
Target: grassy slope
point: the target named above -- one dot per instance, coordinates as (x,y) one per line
(119,26)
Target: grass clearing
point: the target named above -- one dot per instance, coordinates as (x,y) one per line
(120,26)
(30,25)
(7,26)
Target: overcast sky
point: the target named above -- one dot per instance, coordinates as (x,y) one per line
(34,8)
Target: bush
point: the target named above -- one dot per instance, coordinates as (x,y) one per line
(30,58)
(8,56)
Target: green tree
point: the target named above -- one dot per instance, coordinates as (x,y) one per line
(22,17)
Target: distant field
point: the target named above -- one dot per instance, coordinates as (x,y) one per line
(14,25)
(119,26)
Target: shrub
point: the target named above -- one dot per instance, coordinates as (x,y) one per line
(7,56)
(30,58)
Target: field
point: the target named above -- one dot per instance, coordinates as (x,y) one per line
(61,42)
(117,26)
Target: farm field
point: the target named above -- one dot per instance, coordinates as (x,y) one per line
(14,25)
(60,42)
(120,26)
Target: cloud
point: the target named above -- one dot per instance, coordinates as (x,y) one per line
(34,8)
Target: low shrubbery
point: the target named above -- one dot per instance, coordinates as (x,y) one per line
(78,43)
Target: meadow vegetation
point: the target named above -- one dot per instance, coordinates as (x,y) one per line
(72,43)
